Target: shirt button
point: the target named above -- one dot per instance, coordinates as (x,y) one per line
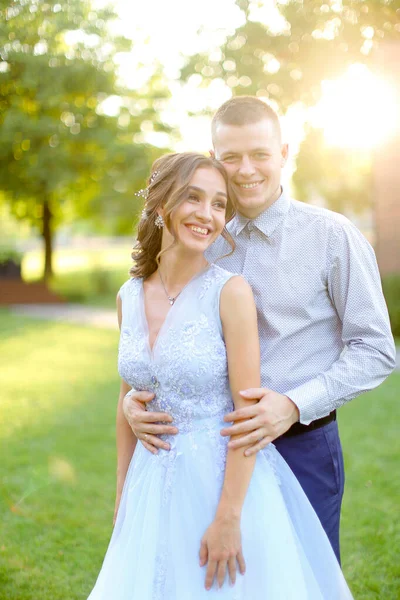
(250,226)
(154,381)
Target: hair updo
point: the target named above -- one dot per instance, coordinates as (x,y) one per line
(170,177)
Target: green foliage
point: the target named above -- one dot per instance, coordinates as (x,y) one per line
(57,443)
(340,176)
(96,287)
(61,155)
(391,290)
(318,40)
(7,254)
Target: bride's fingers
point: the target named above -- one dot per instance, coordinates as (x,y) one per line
(241,562)
(221,572)
(211,570)
(232,570)
(259,446)
(203,554)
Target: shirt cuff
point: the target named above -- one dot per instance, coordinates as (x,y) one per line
(311,399)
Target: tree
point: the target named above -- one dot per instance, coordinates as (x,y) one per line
(61,154)
(315,40)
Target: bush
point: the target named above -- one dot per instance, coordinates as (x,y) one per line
(391,290)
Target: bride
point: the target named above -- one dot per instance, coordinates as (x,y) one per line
(199,519)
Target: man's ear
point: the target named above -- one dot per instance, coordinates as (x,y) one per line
(212,153)
(285,152)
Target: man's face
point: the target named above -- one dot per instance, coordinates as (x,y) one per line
(253,157)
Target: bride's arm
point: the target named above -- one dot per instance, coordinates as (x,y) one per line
(126,439)
(221,544)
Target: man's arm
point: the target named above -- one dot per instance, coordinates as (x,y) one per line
(368,357)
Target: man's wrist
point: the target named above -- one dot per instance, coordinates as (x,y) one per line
(296,413)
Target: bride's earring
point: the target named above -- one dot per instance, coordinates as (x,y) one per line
(159,222)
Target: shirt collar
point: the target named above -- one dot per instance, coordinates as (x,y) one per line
(268,220)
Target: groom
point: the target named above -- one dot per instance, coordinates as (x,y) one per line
(324,330)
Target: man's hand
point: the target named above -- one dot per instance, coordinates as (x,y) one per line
(147,425)
(263,422)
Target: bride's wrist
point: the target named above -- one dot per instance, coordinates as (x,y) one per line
(228,513)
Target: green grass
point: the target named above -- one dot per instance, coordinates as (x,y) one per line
(58,400)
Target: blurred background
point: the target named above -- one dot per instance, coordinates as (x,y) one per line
(91,92)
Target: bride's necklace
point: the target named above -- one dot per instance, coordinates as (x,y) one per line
(171,299)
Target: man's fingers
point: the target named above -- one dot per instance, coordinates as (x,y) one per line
(254,393)
(211,569)
(259,446)
(154,441)
(156,429)
(221,571)
(142,396)
(242,427)
(155,417)
(247,440)
(149,447)
(242,413)
(232,570)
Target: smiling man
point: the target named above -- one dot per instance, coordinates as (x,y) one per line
(324,329)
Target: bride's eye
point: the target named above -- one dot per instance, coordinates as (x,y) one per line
(193,197)
(220,204)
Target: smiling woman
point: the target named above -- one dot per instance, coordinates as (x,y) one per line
(187,192)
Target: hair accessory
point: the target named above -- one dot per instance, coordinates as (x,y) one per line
(153,177)
(144,192)
(159,222)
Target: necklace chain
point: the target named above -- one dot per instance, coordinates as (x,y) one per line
(171,299)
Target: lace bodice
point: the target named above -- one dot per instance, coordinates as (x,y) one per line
(187,367)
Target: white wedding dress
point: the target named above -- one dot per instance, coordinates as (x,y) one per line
(169,499)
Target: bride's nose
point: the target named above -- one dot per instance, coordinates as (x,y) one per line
(203,213)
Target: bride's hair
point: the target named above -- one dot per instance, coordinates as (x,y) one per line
(170,178)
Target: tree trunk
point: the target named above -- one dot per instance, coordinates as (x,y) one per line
(47,235)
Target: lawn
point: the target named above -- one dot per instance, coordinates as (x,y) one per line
(59,392)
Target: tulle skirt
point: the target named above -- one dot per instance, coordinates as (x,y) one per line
(170,499)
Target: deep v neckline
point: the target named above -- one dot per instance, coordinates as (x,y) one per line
(167,316)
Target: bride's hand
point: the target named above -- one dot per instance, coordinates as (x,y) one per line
(221,548)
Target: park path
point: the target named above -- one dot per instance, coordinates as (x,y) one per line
(79,314)
(84,315)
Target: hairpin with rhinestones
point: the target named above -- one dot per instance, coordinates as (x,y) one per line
(143,193)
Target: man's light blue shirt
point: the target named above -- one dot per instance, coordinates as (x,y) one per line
(324,328)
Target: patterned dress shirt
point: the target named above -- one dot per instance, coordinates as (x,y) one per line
(324,328)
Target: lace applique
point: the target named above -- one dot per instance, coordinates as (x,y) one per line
(270,453)
(215,276)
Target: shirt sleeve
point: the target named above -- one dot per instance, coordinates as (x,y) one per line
(368,355)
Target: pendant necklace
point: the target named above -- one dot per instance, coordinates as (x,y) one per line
(171,299)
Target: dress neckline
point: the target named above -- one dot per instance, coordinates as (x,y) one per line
(170,311)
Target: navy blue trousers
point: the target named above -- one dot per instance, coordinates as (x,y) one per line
(316,459)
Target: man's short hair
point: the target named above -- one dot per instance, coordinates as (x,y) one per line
(244,110)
